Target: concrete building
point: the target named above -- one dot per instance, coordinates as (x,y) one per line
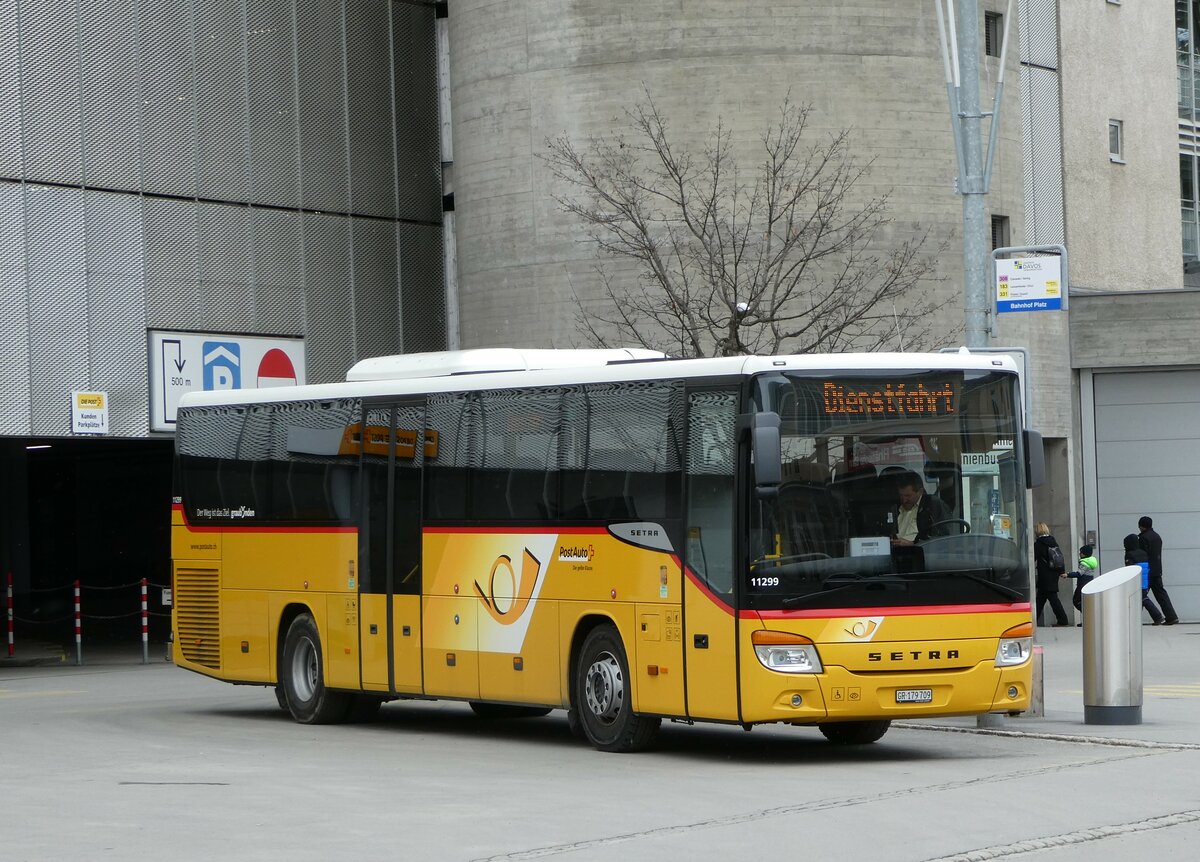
(291,169)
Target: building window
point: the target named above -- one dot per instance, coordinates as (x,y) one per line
(993,33)
(1116,141)
(1187,206)
(1000,237)
(1187,17)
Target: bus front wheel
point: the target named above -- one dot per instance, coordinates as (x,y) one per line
(854,732)
(604,694)
(302,675)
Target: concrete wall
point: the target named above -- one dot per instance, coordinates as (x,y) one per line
(1123,228)
(1135,329)
(523,71)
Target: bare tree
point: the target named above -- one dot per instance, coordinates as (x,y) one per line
(787,262)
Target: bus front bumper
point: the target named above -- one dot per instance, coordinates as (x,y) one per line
(838,694)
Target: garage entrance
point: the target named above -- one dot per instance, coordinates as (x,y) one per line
(1145,434)
(92,510)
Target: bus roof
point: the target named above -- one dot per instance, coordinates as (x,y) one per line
(450,362)
(503,368)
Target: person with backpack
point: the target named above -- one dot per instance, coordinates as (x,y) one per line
(1135,556)
(1151,542)
(1051,567)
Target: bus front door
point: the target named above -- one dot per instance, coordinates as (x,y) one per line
(390,547)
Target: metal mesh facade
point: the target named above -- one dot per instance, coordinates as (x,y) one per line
(249,166)
(1041,125)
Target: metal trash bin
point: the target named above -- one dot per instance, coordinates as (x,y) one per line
(1112,648)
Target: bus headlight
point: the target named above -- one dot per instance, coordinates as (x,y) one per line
(1015,646)
(785,652)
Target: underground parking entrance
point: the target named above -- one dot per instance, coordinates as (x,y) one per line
(96,511)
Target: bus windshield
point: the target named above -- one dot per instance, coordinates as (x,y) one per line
(897,490)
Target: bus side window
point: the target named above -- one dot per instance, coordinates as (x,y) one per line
(456,422)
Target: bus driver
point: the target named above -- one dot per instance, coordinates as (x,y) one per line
(918,512)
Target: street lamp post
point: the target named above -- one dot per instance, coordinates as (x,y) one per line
(960,59)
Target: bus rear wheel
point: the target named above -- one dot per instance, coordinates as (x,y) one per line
(302,675)
(604,694)
(854,732)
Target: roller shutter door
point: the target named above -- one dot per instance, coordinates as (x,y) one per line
(1148,463)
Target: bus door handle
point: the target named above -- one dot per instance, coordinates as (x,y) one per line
(700,641)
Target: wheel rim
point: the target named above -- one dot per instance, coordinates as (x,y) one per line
(304,669)
(604,688)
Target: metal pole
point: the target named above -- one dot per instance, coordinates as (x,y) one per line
(10,616)
(145,627)
(78,629)
(975,231)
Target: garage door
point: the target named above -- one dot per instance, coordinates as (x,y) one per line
(1148,463)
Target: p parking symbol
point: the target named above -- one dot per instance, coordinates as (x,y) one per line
(222,365)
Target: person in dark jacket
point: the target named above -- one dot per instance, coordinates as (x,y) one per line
(919,516)
(1135,556)
(1047,576)
(1151,543)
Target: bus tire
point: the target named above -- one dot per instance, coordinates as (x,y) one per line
(574,724)
(854,732)
(604,692)
(504,710)
(302,676)
(281,697)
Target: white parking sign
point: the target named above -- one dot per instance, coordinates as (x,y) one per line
(186,361)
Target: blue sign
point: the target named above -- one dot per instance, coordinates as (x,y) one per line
(994,501)
(222,361)
(1028,305)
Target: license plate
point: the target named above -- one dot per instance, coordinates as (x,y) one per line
(914,695)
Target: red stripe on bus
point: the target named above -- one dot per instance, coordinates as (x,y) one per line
(195,529)
(505,531)
(703,587)
(903,611)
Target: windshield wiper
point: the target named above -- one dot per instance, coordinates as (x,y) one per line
(1007,592)
(797,601)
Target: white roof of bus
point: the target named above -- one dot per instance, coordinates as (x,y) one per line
(448,362)
(502,368)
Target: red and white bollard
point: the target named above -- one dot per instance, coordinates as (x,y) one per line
(78,628)
(145,627)
(10,617)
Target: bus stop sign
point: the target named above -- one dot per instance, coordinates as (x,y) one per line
(1029,284)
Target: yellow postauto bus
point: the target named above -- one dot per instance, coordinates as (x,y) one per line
(617,534)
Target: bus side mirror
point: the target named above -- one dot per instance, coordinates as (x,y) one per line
(1035,459)
(768,455)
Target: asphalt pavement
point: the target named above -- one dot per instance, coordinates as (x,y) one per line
(1170,694)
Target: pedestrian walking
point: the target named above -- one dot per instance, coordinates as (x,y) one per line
(1135,556)
(1086,571)
(1151,543)
(1048,561)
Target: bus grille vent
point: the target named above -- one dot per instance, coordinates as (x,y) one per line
(197,615)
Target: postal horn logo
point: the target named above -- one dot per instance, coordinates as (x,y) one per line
(864,629)
(508,595)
